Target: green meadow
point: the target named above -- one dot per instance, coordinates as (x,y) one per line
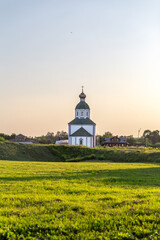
(61,200)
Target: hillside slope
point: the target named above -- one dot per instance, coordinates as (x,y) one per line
(114,154)
(54,153)
(26,152)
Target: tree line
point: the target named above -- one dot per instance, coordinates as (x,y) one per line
(148,138)
(49,138)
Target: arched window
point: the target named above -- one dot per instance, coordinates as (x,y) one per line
(80,141)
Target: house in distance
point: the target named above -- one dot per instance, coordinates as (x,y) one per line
(20,138)
(81,130)
(115,141)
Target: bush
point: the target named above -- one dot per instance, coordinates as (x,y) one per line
(157,145)
(2,139)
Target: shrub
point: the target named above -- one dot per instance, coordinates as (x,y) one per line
(2,139)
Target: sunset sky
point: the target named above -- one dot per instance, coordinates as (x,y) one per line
(50,48)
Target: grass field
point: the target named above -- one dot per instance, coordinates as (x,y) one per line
(40,200)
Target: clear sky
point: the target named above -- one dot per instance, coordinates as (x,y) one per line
(50,48)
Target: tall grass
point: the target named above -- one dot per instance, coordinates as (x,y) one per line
(77,201)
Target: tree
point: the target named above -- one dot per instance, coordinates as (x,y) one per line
(50,137)
(153,137)
(13,135)
(147,134)
(131,140)
(105,135)
(43,140)
(108,134)
(5,136)
(61,135)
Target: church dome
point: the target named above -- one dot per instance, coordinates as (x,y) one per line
(82,105)
(82,95)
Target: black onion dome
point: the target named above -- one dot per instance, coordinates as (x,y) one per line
(82,95)
(82,105)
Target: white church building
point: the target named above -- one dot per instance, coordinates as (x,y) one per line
(81,130)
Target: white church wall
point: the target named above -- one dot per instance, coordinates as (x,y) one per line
(76,141)
(70,141)
(73,141)
(79,113)
(86,141)
(74,128)
(89,141)
(88,128)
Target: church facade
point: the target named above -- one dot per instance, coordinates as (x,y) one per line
(81,130)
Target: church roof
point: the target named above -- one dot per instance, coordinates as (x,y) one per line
(82,105)
(82,121)
(81,132)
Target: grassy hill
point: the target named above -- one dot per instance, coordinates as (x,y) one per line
(54,153)
(26,152)
(120,154)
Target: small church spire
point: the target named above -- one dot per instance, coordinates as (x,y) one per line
(82,95)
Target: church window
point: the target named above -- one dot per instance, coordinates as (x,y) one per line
(81,141)
(77,113)
(81,113)
(87,114)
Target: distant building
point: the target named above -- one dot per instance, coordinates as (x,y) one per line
(81,130)
(62,142)
(20,138)
(115,141)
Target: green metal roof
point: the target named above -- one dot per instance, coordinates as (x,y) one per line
(81,133)
(82,121)
(82,105)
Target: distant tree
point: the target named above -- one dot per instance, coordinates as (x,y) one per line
(152,136)
(61,135)
(108,134)
(13,135)
(105,135)
(144,141)
(51,138)
(146,133)
(43,140)
(5,136)
(147,142)
(131,140)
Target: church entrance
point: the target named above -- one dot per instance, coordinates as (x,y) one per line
(80,141)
